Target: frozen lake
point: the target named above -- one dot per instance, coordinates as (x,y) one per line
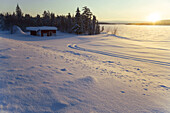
(140,43)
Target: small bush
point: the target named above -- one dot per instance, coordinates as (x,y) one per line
(114,30)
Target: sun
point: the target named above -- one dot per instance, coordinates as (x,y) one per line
(154,17)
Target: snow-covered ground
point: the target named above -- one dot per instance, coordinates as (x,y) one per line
(126,73)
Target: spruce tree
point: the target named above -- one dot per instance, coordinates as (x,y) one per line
(52,19)
(94,25)
(46,18)
(78,26)
(97,28)
(38,20)
(18,12)
(86,12)
(86,16)
(1,21)
(69,23)
(78,15)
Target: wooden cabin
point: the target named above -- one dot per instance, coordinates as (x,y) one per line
(42,31)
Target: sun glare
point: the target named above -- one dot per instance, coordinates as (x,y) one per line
(154,17)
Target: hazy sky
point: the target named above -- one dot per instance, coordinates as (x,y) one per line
(105,10)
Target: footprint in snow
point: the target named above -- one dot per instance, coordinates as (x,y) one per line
(63,69)
(127,70)
(11,82)
(70,73)
(45,82)
(41,65)
(138,69)
(163,86)
(145,89)
(48,66)
(27,57)
(122,91)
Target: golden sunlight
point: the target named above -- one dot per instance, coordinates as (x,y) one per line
(154,17)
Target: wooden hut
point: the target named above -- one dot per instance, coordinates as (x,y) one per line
(42,31)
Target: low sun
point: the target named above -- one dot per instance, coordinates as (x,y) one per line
(154,17)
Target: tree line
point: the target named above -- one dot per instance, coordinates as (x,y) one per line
(80,23)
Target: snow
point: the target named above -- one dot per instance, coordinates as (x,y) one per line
(17,30)
(127,72)
(41,28)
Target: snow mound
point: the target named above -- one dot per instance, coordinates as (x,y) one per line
(16,30)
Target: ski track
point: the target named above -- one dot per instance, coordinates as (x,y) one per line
(120,55)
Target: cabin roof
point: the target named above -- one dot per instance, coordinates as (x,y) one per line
(40,28)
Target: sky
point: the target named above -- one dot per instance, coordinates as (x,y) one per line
(105,10)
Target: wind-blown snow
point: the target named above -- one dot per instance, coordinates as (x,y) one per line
(128,72)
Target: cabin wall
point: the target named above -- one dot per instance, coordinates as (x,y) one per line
(48,32)
(33,33)
(44,33)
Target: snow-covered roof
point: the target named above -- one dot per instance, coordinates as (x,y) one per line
(41,28)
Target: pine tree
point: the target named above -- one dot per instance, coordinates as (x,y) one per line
(69,23)
(7,23)
(46,18)
(94,25)
(58,22)
(78,15)
(97,28)
(86,16)
(27,20)
(78,25)
(52,19)
(38,20)
(18,12)
(2,22)
(86,12)
(63,24)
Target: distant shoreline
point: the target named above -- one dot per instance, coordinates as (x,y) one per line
(161,22)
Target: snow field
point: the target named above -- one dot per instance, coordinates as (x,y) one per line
(70,73)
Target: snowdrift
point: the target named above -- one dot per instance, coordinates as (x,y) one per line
(16,30)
